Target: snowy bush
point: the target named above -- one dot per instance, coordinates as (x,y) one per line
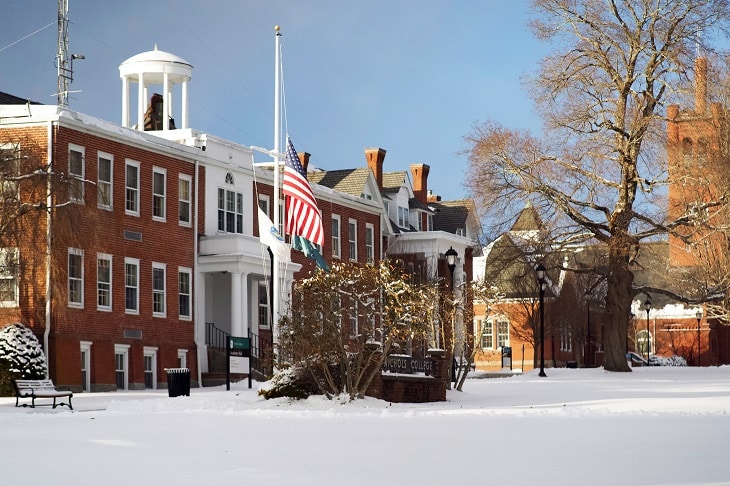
(294,382)
(21,355)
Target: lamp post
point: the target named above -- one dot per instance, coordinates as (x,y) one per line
(699,348)
(647,308)
(451,262)
(451,255)
(540,270)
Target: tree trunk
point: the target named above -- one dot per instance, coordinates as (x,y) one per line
(618,307)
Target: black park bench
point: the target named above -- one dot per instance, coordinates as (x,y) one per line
(40,389)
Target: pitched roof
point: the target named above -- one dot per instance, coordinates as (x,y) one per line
(392,181)
(450,215)
(527,220)
(349,181)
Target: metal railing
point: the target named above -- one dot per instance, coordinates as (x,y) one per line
(218,339)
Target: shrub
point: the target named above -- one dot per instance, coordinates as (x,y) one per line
(294,382)
(21,352)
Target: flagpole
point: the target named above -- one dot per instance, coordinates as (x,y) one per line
(277,150)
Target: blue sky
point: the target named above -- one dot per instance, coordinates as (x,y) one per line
(409,76)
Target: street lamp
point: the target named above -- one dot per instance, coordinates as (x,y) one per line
(647,308)
(451,262)
(540,270)
(699,348)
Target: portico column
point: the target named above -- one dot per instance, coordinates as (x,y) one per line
(239,304)
(140,103)
(125,101)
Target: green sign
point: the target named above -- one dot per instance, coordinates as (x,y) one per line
(239,342)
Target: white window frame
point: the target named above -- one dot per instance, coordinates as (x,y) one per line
(123,350)
(182,358)
(183,201)
(105,186)
(369,245)
(225,211)
(104,286)
(75,179)
(134,286)
(502,338)
(9,274)
(159,295)
(336,236)
(85,347)
(265,204)
(76,279)
(131,192)
(150,352)
(487,329)
(262,304)
(352,238)
(9,158)
(189,295)
(159,199)
(429,226)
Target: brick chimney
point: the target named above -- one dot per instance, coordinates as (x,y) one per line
(700,86)
(375,158)
(304,159)
(419,172)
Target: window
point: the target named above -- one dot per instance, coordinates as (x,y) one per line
(8,277)
(182,358)
(429,226)
(183,200)
(403,217)
(487,335)
(131,285)
(9,157)
(132,188)
(502,333)
(184,295)
(104,180)
(121,365)
(369,242)
(158,289)
(159,191)
(419,221)
(76,173)
(354,321)
(263,304)
(230,211)
(460,232)
(352,238)
(335,236)
(150,367)
(103,282)
(264,204)
(644,344)
(75,278)
(566,339)
(85,348)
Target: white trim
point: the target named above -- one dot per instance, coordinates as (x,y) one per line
(109,258)
(132,163)
(163,196)
(350,222)
(79,177)
(135,262)
(189,200)
(122,349)
(150,351)
(85,346)
(163,291)
(182,357)
(337,248)
(9,264)
(189,273)
(370,229)
(80,279)
(101,183)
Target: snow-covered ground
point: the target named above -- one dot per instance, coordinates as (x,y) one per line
(654,426)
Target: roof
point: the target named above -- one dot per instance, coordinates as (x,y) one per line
(527,220)
(393,181)
(349,181)
(8,99)
(450,215)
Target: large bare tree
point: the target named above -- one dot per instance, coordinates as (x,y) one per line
(597,169)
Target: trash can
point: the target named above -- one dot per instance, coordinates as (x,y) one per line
(572,364)
(507,357)
(178,382)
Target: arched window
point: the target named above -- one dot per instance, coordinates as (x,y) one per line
(229,178)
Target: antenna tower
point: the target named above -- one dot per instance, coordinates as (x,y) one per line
(63,63)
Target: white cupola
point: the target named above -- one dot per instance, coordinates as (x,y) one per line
(150,69)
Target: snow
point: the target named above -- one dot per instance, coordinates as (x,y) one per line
(654,426)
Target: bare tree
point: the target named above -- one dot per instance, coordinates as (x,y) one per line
(595,171)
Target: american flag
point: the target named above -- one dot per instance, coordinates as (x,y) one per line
(302,215)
